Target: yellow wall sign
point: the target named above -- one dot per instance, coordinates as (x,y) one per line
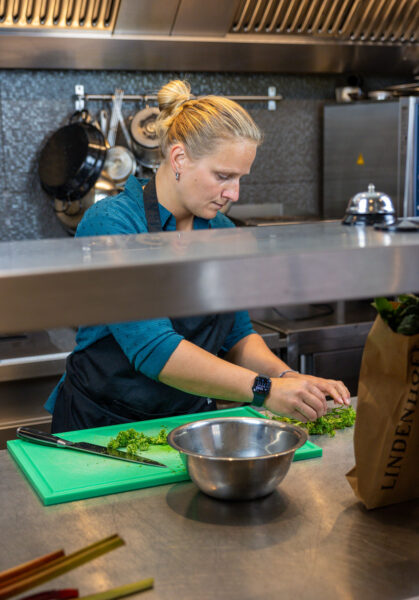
(360,160)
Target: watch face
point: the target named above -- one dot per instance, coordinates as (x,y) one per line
(262,385)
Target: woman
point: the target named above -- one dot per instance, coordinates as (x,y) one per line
(147,369)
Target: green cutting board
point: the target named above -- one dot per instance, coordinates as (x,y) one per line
(59,475)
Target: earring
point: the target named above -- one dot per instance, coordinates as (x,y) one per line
(177,176)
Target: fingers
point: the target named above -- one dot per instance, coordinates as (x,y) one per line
(345,393)
(303,400)
(312,404)
(314,390)
(298,417)
(304,413)
(337,390)
(304,397)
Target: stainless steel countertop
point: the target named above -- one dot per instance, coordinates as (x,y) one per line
(310,539)
(53,283)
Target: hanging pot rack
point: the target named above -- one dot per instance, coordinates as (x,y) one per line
(81,98)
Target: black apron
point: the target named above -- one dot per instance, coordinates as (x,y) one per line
(102,388)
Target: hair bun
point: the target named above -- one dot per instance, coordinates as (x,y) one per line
(200,123)
(172,95)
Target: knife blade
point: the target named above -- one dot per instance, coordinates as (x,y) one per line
(30,434)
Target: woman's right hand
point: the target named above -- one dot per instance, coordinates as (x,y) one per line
(297,398)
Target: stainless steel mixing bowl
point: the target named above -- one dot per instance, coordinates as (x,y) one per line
(237,458)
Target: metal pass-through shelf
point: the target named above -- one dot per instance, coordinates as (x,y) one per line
(54,283)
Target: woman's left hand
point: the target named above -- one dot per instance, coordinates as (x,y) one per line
(337,390)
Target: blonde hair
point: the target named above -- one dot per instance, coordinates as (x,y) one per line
(199,123)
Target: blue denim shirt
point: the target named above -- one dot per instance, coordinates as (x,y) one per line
(147,344)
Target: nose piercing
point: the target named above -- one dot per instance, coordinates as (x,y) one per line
(177,176)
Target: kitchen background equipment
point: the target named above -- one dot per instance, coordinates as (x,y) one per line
(368,208)
(404,89)
(263,215)
(218,36)
(240,458)
(120,164)
(143,132)
(350,88)
(72,159)
(58,476)
(127,137)
(322,340)
(380,95)
(30,434)
(71,213)
(31,365)
(349,94)
(104,122)
(106,176)
(115,116)
(371,141)
(410,224)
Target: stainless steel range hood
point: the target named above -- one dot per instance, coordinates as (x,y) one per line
(287,36)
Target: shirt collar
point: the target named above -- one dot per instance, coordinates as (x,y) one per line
(165,216)
(134,187)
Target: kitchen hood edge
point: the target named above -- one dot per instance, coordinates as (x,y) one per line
(231,53)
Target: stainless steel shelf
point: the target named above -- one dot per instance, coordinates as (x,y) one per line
(52,283)
(28,367)
(35,355)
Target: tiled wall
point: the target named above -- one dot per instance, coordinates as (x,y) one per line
(33,104)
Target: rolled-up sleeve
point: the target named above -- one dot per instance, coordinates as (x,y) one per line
(148,345)
(242,327)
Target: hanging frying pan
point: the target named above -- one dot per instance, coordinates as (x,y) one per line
(143,132)
(72,159)
(120,164)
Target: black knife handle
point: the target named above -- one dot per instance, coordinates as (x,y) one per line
(30,434)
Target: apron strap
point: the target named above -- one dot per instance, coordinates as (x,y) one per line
(151,207)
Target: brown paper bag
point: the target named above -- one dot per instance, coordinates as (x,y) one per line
(386,438)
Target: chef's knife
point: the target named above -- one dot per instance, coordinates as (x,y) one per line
(29,434)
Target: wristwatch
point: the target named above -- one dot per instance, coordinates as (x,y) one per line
(261,388)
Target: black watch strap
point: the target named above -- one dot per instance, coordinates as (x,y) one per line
(261,388)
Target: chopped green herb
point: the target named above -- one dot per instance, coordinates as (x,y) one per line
(337,418)
(134,440)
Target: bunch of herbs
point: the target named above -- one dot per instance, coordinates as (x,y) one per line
(402,315)
(336,418)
